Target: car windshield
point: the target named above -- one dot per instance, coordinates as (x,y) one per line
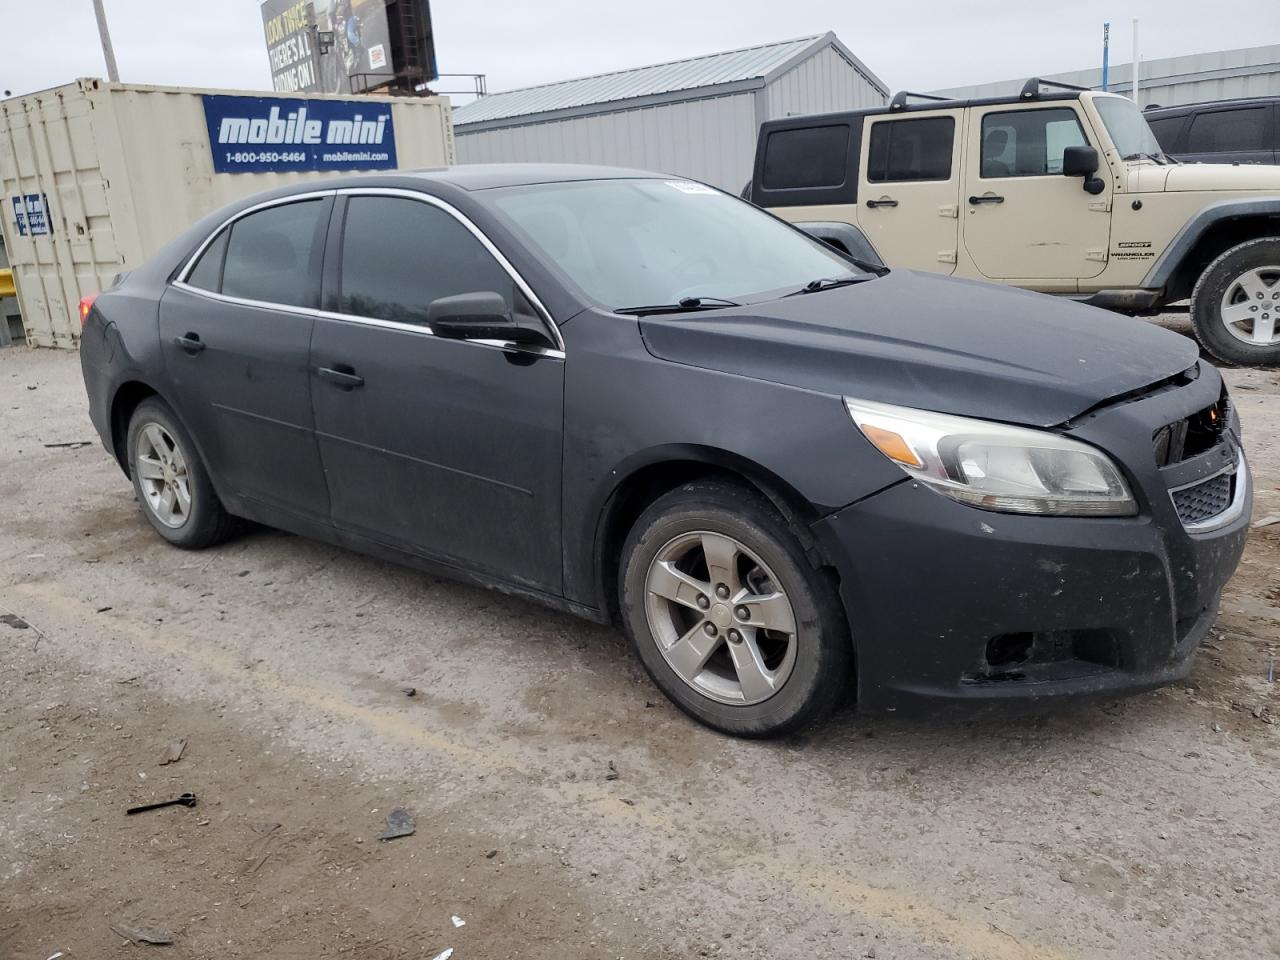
(1128,128)
(633,243)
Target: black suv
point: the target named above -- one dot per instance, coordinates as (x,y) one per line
(1222,131)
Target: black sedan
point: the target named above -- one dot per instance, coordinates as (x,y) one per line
(787,475)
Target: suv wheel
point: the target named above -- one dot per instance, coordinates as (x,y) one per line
(728,615)
(1235,308)
(170,481)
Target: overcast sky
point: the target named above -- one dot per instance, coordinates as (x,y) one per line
(919,45)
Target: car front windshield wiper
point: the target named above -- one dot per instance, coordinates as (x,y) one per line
(830,283)
(683,305)
(1154,158)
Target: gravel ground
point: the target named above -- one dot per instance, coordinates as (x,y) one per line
(1144,828)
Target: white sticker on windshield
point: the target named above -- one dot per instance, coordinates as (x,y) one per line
(686,186)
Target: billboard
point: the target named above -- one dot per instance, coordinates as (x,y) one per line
(279,135)
(357,56)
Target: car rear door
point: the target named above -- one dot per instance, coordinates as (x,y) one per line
(1238,133)
(1023,220)
(235,332)
(445,448)
(909,188)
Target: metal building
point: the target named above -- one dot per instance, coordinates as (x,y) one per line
(1225,75)
(695,118)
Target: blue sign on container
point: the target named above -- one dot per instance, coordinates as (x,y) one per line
(31,214)
(279,135)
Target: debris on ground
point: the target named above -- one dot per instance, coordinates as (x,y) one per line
(136,932)
(103,609)
(613,772)
(399,824)
(409,691)
(1266,521)
(444,956)
(70,444)
(185,800)
(15,621)
(491,854)
(262,847)
(458,921)
(173,753)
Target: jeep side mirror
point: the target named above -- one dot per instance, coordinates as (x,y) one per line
(480,316)
(1082,161)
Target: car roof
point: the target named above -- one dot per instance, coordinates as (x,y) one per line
(1180,108)
(486,176)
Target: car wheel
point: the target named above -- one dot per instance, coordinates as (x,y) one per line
(728,614)
(170,481)
(1235,307)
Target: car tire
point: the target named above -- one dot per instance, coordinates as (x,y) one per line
(685,634)
(170,481)
(1234,280)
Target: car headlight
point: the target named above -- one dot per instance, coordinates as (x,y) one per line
(995,466)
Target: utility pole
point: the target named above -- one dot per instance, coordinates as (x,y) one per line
(109,54)
(1106,53)
(1135,62)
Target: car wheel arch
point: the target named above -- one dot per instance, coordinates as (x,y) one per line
(649,476)
(128,395)
(1217,231)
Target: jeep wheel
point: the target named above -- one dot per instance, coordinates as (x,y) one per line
(1235,308)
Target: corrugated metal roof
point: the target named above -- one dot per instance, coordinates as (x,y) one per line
(717,68)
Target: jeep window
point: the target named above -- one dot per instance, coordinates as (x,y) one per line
(398,255)
(1220,131)
(1028,143)
(1127,127)
(903,150)
(807,157)
(270,255)
(628,243)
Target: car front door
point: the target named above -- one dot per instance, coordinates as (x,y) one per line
(909,188)
(1023,220)
(449,449)
(235,333)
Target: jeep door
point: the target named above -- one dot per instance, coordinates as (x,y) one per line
(1023,220)
(909,189)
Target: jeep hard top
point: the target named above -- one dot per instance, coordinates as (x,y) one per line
(1059,189)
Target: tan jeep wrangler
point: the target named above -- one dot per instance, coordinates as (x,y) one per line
(1060,189)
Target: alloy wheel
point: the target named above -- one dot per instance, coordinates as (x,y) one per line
(162,474)
(720,618)
(1251,306)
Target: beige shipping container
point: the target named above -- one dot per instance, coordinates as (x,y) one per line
(114,171)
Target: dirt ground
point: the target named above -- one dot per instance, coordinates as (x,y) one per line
(1145,828)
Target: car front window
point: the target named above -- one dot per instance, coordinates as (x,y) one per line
(630,243)
(1127,127)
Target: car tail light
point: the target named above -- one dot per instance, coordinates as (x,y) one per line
(86,304)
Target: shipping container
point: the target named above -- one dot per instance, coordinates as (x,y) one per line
(97,176)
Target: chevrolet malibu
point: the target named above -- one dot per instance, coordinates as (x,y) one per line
(787,475)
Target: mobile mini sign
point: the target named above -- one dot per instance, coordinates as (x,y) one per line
(276,135)
(31,215)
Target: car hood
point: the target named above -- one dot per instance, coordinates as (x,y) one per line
(919,340)
(1209,177)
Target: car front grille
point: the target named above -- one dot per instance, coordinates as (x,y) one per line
(1205,500)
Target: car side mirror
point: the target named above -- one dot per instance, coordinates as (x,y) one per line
(481,316)
(1082,161)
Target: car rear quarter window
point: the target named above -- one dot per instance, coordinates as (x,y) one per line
(1222,131)
(399,254)
(272,255)
(918,149)
(806,157)
(1028,143)
(1166,130)
(207,273)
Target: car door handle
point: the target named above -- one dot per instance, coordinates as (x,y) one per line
(342,376)
(190,342)
(882,203)
(989,198)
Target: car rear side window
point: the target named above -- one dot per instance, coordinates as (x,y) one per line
(398,255)
(272,255)
(1028,143)
(1222,131)
(207,273)
(911,150)
(806,157)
